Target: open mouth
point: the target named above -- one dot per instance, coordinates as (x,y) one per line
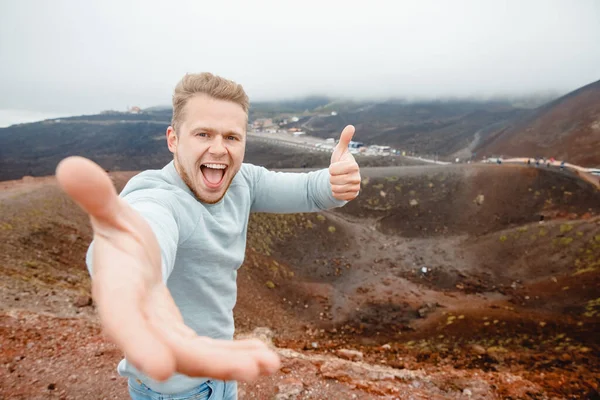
(213,174)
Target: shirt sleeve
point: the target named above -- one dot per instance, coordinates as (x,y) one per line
(165,228)
(291,192)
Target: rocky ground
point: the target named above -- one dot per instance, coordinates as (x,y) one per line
(436,284)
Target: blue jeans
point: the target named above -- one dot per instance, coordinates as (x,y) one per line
(209,390)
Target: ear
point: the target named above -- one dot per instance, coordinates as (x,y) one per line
(171,139)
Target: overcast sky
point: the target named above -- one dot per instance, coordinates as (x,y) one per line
(86,56)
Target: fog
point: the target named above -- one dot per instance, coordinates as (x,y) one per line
(79,57)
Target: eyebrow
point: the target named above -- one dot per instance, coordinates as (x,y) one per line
(202,128)
(213,131)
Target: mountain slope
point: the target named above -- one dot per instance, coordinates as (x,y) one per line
(127,142)
(429,127)
(567,128)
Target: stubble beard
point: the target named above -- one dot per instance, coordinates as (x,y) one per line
(188,181)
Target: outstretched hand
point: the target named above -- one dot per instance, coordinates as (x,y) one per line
(344,173)
(135,307)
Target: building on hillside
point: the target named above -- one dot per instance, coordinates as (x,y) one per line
(356,147)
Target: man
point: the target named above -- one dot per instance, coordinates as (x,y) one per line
(165,253)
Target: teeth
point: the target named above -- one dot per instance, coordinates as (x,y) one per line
(215,166)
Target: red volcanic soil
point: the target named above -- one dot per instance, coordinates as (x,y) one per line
(455,282)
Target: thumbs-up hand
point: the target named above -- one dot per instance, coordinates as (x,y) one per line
(344,173)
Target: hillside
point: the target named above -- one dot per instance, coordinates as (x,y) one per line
(122,141)
(475,281)
(123,145)
(435,127)
(566,129)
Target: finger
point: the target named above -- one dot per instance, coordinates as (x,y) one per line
(163,312)
(351,187)
(168,323)
(176,327)
(119,299)
(343,168)
(89,186)
(342,147)
(346,196)
(346,137)
(223,359)
(345,179)
(245,344)
(267,364)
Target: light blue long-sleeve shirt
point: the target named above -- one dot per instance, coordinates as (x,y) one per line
(203,245)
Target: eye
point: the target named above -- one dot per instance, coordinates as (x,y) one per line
(231,138)
(201,134)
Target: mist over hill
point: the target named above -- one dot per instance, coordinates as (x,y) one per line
(444,129)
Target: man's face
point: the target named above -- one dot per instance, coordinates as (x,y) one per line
(210,145)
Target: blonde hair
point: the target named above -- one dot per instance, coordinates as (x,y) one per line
(208,84)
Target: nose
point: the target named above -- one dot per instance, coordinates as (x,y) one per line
(217,147)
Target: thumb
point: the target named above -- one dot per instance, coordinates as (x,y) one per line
(342,146)
(89,186)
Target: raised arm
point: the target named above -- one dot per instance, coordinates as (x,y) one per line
(285,192)
(135,307)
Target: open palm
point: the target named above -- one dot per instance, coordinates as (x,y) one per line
(135,307)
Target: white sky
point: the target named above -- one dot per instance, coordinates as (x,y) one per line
(87,56)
